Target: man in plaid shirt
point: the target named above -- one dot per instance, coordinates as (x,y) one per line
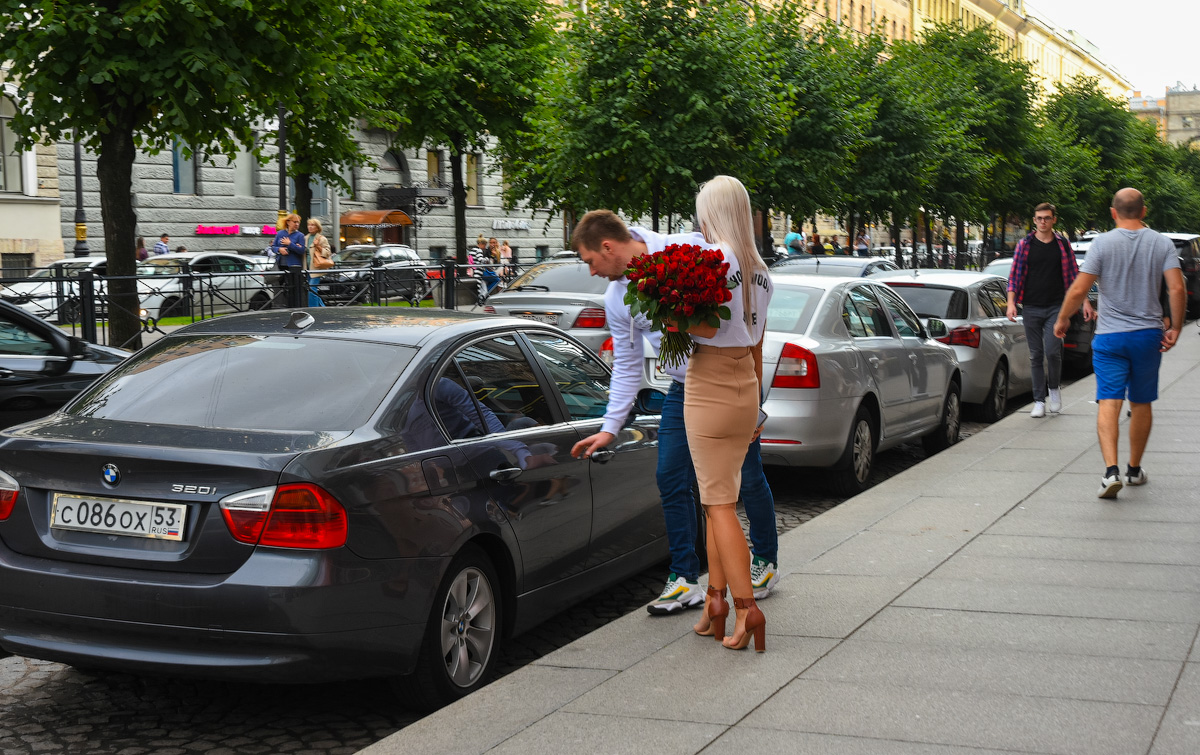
(1043,269)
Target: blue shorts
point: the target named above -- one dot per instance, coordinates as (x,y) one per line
(1126,365)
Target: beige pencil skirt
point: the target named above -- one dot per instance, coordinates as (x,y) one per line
(720,413)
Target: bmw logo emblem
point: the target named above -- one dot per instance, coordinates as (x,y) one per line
(111,474)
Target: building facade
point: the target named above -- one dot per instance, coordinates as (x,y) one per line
(1151,110)
(29,196)
(1183,115)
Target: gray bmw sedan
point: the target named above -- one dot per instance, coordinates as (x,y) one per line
(326,494)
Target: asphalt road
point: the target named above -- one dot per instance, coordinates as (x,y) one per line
(51,708)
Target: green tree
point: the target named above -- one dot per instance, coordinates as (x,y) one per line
(648,98)
(478,79)
(126,75)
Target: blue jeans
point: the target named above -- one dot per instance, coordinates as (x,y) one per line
(489,277)
(676,476)
(1045,349)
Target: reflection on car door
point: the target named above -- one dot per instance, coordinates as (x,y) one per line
(886,358)
(928,370)
(1003,336)
(522,452)
(626,514)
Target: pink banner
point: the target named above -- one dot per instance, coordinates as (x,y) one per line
(218,230)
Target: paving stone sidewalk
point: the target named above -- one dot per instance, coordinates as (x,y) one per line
(983,601)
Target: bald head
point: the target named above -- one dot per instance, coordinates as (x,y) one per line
(1128,204)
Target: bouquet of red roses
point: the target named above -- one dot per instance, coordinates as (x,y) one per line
(681,286)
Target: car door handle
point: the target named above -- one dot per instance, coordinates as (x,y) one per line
(912,357)
(603,456)
(505,474)
(874,361)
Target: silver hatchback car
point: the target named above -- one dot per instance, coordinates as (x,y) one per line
(851,370)
(558,292)
(992,350)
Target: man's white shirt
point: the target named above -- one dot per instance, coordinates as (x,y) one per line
(629,333)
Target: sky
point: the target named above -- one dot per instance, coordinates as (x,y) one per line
(1153,43)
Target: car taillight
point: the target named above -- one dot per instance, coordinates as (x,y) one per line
(297,515)
(797,368)
(591,317)
(9,490)
(606,353)
(489,309)
(964,335)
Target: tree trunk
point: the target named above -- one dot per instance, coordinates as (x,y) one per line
(458,190)
(851,227)
(1003,232)
(960,243)
(303,199)
(767,251)
(655,205)
(929,240)
(983,244)
(114,170)
(894,229)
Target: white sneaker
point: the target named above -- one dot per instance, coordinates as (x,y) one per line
(1141,478)
(1110,485)
(679,594)
(1054,401)
(763,576)
(1039,410)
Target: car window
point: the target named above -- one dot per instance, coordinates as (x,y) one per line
(791,309)
(243,382)
(233,265)
(863,316)
(907,324)
(581,378)
(20,341)
(206,265)
(458,407)
(995,294)
(501,378)
(942,302)
(569,277)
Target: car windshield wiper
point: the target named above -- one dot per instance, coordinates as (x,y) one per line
(532,287)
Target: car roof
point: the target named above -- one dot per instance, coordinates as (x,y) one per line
(1182,236)
(91,258)
(936,276)
(824,282)
(402,326)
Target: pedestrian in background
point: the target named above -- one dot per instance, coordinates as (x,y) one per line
(607,246)
(321,259)
(816,247)
(1043,269)
(289,250)
(1130,263)
(162,246)
(794,240)
(506,260)
(862,244)
(141,253)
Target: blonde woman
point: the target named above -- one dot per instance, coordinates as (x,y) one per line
(721,408)
(321,258)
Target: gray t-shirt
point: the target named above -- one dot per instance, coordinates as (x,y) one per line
(1130,266)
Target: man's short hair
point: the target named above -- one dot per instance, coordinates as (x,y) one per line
(164,236)
(596,227)
(1129,204)
(1046,206)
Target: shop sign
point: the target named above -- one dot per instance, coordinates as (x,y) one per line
(217,230)
(509,224)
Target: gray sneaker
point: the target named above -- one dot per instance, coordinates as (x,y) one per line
(678,595)
(763,576)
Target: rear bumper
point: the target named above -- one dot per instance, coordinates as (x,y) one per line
(820,426)
(285,616)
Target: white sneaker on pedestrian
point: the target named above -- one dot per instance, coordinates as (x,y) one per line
(1141,478)
(763,576)
(678,595)
(1039,410)
(1054,401)
(1110,485)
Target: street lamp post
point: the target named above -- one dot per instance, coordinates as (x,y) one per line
(283,203)
(81,245)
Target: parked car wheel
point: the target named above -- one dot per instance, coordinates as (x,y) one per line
(260,300)
(996,401)
(852,471)
(172,308)
(946,433)
(458,655)
(69,311)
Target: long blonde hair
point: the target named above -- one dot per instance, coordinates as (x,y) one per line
(723,211)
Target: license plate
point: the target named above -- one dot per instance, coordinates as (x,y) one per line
(546,317)
(114,516)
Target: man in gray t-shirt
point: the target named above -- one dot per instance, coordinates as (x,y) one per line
(1130,264)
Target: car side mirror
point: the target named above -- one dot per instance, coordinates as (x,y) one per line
(936,328)
(649,401)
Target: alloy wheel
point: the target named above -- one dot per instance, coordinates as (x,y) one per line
(862,450)
(999,391)
(468,627)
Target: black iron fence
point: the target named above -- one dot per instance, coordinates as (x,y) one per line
(83,299)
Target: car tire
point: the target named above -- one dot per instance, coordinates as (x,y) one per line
(172,307)
(69,312)
(995,404)
(946,433)
(444,675)
(852,472)
(260,300)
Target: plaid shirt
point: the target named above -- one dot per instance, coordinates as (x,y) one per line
(1020,266)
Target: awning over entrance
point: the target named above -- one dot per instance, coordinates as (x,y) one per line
(376,218)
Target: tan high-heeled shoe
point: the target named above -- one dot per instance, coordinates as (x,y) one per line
(756,627)
(716,609)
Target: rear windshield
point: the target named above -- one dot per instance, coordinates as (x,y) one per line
(823,267)
(791,309)
(934,301)
(241,382)
(572,277)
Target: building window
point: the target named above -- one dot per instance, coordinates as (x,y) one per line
(16,266)
(10,157)
(394,168)
(1188,121)
(474,178)
(244,167)
(183,170)
(434,168)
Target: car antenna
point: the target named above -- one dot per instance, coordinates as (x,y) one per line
(300,321)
